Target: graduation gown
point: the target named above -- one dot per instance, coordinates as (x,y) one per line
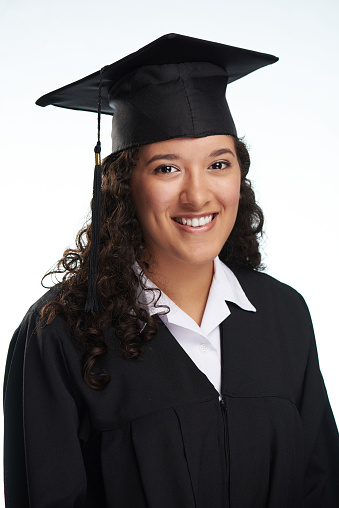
(158,436)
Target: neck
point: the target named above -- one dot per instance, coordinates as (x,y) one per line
(187,285)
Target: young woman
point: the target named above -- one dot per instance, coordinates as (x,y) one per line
(183,377)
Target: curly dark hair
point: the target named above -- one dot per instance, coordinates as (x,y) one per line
(121,244)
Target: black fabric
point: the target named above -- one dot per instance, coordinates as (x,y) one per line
(93,303)
(173,87)
(160,102)
(158,436)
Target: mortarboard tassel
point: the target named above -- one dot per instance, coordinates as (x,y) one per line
(93,303)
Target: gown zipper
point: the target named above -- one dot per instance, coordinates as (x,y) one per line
(227,448)
(224,413)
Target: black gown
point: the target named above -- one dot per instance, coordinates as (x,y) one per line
(158,436)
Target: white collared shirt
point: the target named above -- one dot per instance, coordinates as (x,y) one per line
(202,343)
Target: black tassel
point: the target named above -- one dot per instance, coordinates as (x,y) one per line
(93,304)
(93,299)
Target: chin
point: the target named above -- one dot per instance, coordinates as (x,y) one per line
(199,258)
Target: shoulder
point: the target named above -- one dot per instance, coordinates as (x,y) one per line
(266,292)
(33,329)
(261,284)
(46,298)
(37,345)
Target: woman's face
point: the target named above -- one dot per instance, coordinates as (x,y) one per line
(186,194)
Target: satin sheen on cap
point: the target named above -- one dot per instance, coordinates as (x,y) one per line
(173,87)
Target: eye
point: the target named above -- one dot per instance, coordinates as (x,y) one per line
(165,170)
(219,165)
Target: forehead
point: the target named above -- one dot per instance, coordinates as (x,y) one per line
(188,146)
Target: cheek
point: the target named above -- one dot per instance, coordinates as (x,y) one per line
(235,195)
(229,194)
(150,200)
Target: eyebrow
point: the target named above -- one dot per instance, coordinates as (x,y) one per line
(222,151)
(168,156)
(173,156)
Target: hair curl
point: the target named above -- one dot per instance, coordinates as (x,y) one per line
(121,244)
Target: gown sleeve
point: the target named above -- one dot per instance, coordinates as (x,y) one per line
(321,439)
(43,465)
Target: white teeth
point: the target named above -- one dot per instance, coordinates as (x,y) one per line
(195,222)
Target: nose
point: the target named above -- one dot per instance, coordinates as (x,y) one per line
(195,192)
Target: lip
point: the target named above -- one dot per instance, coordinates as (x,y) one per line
(194,216)
(199,229)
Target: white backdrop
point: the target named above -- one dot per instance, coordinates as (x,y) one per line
(288,113)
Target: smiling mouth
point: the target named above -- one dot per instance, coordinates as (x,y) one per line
(195,222)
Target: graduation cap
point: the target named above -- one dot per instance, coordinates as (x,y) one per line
(173,87)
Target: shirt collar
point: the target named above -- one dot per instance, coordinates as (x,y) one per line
(225,287)
(229,287)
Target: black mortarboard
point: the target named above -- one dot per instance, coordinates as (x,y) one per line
(173,87)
